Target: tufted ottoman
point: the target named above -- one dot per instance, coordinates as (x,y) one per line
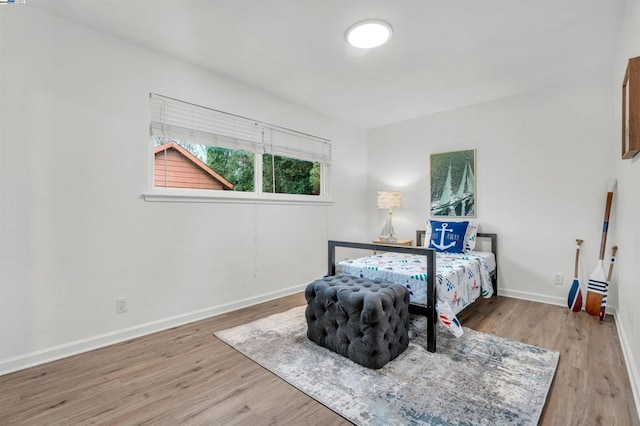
(366,321)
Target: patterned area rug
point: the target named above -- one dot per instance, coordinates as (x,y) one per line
(477,379)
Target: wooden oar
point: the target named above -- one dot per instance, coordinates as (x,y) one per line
(575,294)
(597,283)
(603,305)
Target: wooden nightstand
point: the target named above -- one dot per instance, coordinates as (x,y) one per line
(407,243)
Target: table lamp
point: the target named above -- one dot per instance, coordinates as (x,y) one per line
(389,200)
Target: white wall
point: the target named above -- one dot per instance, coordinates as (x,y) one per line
(543,159)
(628,172)
(75,232)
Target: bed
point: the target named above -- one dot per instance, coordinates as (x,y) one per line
(460,279)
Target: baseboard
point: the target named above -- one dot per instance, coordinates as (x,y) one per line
(534,297)
(634,377)
(543,298)
(54,353)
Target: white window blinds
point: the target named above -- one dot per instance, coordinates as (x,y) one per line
(287,143)
(172,119)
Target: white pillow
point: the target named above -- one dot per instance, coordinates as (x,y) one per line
(469,236)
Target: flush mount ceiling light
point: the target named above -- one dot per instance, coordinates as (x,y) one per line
(368,34)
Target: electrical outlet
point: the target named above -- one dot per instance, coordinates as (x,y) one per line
(558,279)
(121,305)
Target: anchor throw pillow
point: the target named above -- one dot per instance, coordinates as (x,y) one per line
(469,237)
(447,236)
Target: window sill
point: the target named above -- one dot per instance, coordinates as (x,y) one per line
(206,196)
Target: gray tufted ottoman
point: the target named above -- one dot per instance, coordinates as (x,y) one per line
(366,321)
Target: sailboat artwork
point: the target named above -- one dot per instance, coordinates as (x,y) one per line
(453,183)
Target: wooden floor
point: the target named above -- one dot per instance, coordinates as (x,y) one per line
(187,376)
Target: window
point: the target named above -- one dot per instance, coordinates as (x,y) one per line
(225,155)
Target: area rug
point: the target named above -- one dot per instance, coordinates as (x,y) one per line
(477,379)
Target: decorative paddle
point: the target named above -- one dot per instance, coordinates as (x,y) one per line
(597,283)
(603,305)
(575,294)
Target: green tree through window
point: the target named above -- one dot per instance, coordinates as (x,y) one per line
(234,165)
(292,176)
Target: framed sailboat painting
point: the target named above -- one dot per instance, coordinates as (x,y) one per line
(453,184)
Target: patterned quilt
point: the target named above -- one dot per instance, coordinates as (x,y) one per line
(460,279)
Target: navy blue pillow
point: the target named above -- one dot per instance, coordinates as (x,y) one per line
(447,236)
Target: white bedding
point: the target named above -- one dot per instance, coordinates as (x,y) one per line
(460,278)
(490,257)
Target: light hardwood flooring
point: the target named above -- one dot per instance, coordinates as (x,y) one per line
(187,376)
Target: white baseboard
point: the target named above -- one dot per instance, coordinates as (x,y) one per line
(54,353)
(542,298)
(534,297)
(634,377)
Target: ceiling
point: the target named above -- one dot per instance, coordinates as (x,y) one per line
(443,54)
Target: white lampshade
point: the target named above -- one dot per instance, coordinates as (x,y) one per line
(391,200)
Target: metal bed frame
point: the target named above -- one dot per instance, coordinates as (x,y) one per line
(429,309)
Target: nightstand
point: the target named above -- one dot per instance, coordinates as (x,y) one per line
(406,243)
